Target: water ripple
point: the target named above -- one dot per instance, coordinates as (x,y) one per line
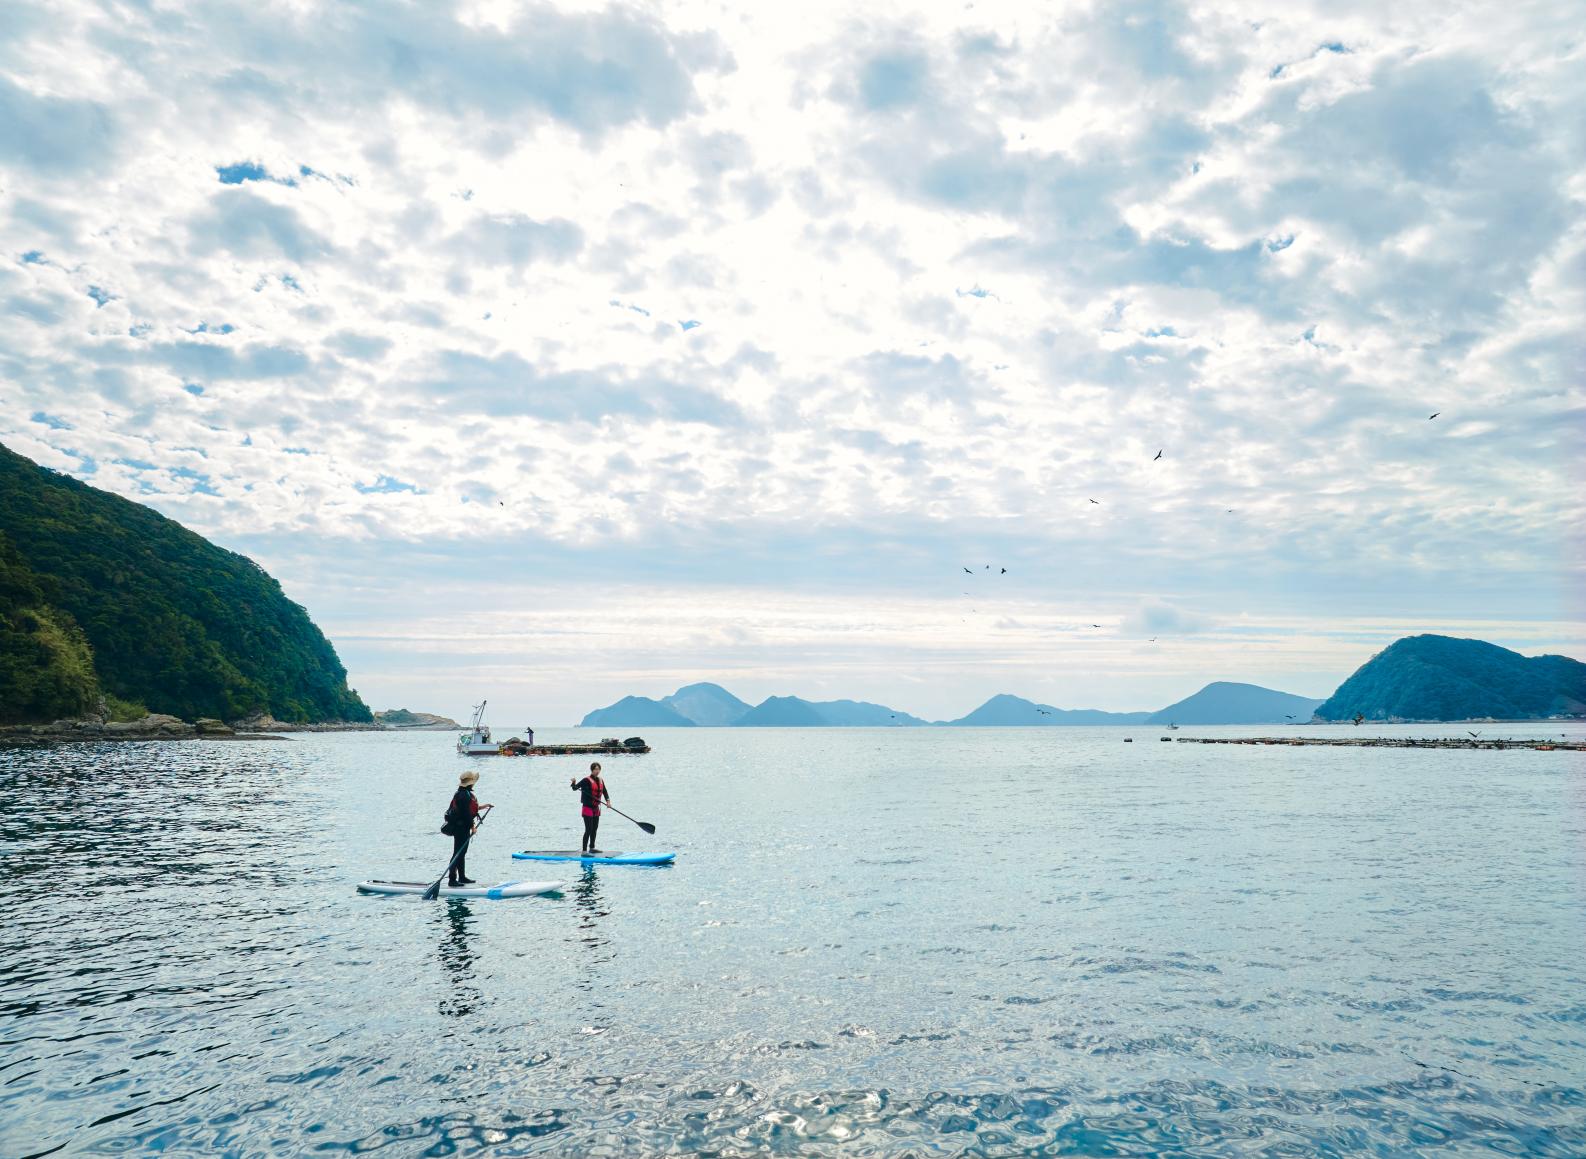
(1183,953)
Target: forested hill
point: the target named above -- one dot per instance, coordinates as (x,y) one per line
(1443,678)
(102,596)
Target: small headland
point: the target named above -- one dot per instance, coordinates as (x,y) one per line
(405,721)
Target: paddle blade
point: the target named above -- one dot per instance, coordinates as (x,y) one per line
(433,892)
(646,826)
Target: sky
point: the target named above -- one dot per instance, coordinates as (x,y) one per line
(555,353)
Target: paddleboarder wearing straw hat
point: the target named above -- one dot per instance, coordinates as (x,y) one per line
(461,820)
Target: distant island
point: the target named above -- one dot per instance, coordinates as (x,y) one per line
(1223,702)
(712,706)
(1419,678)
(111,612)
(1444,678)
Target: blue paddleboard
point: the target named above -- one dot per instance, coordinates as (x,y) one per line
(601,858)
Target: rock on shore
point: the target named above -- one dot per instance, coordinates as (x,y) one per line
(154,726)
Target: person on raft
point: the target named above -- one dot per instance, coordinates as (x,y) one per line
(461,821)
(593,791)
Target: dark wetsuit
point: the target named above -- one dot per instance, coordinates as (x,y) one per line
(593,790)
(461,813)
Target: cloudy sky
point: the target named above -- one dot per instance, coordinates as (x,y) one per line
(552,353)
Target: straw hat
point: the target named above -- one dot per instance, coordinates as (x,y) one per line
(468,778)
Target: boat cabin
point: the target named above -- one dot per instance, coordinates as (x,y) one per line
(476,741)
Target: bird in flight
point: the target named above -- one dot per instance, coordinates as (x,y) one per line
(1153,639)
(1004,571)
(1286,716)
(1043,712)
(1095,625)
(1430,417)
(1359,716)
(968,572)
(1097,502)
(1476,734)
(1158,456)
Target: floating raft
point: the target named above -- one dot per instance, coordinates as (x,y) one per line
(609,747)
(1436,742)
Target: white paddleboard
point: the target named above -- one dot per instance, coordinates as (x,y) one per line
(493,892)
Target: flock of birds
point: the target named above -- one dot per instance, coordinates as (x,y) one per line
(1004,571)
(1160,451)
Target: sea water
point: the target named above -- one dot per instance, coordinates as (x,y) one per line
(873,942)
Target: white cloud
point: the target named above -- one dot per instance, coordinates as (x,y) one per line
(1159,619)
(1266,245)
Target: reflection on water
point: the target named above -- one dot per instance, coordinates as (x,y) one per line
(595,948)
(591,906)
(1186,950)
(457,958)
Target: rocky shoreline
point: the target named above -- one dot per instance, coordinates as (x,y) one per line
(155,726)
(161,726)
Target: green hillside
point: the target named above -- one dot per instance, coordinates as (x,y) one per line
(1443,678)
(99,595)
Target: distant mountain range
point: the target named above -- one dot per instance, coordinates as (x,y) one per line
(711,705)
(1004,709)
(1418,678)
(1443,678)
(791,711)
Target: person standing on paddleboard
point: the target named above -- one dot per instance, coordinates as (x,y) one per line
(461,819)
(593,791)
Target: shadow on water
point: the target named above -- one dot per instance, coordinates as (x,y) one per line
(457,958)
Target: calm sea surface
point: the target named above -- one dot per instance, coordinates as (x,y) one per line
(874,942)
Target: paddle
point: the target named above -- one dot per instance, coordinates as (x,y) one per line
(434,891)
(645,825)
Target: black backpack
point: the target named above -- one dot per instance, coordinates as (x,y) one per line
(456,819)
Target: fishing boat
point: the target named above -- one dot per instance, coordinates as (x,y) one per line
(476,741)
